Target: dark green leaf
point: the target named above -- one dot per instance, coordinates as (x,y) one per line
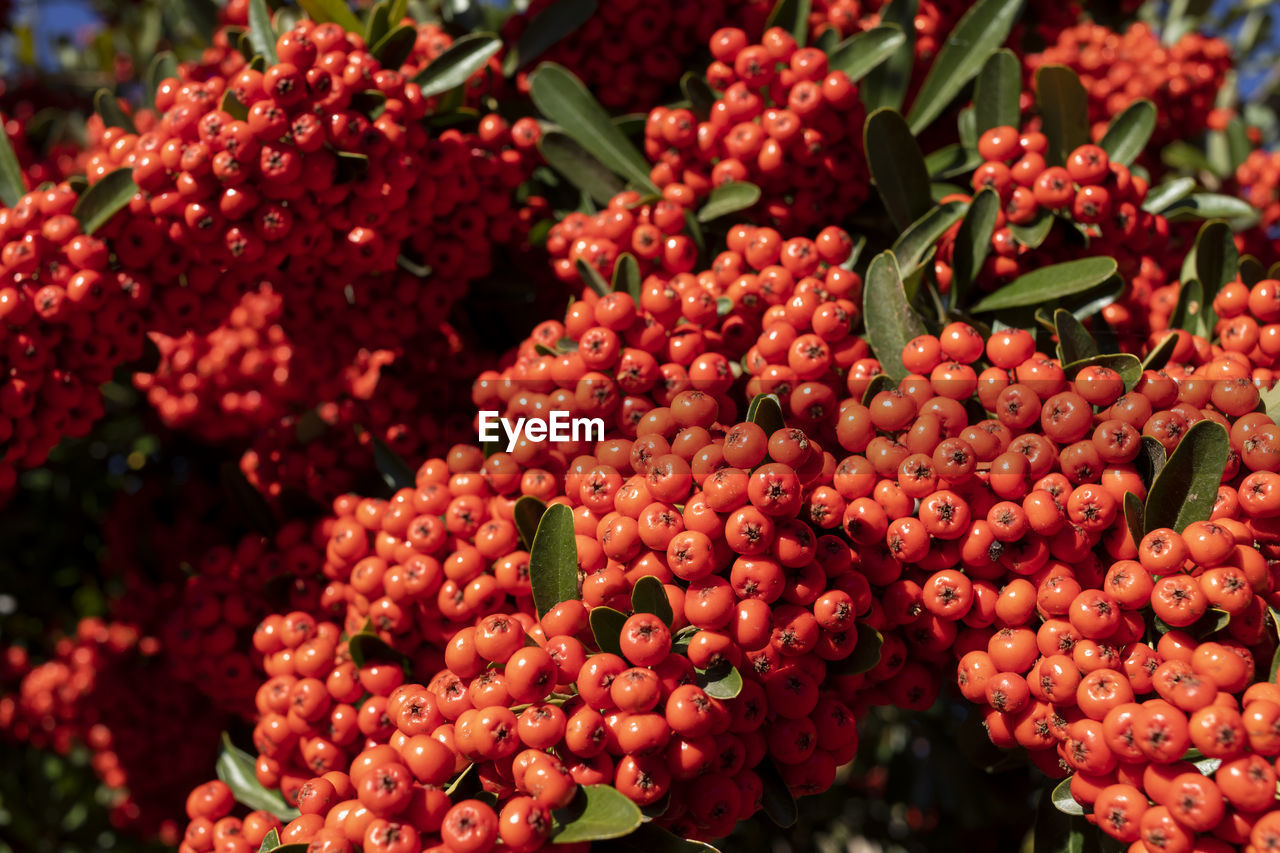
(526,514)
(238,770)
(1050,284)
(464,784)
(1160,198)
(865,655)
(1251,270)
(606,627)
(261,35)
(162,67)
(582,170)
(1133,516)
(827,41)
(395,472)
(897,167)
(729,198)
(1274,617)
(1217,259)
(233,106)
(1187,486)
(1150,460)
(12,185)
(700,95)
(977,35)
(455,66)
(919,238)
(1074,341)
(1129,132)
(1056,832)
(597,812)
(890,321)
(973,242)
(592,278)
(396,46)
(952,160)
(562,98)
(858,55)
(368,646)
(648,596)
(996,93)
(1064,109)
(879,382)
(1238,144)
(886,85)
(1189,313)
(1062,799)
(377,22)
(1211,206)
(626,276)
(337,11)
(106,105)
(1123,363)
(766,411)
(792,16)
(1160,355)
(104,199)
(553,560)
(721,681)
(545,30)
(776,800)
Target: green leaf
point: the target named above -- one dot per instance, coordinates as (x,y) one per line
(606,627)
(238,770)
(1161,353)
(1127,365)
(1251,270)
(1187,486)
(1050,284)
(582,170)
(545,30)
(973,242)
(368,646)
(1074,341)
(1160,198)
(592,278)
(553,560)
(464,784)
(106,105)
(396,46)
(1211,206)
(919,238)
(1274,616)
(455,66)
(1150,460)
(527,513)
(700,95)
(879,382)
(1217,259)
(858,55)
(777,802)
(233,106)
(897,167)
(104,199)
(865,655)
(12,185)
(1134,516)
(1189,313)
(648,596)
(270,842)
(977,35)
(1238,144)
(337,11)
(996,93)
(162,67)
(626,276)
(597,812)
(886,85)
(261,34)
(395,472)
(1062,799)
(766,412)
(729,198)
(721,681)
(792,16)
(1271,402)
(1064,109)
(1129,132)
(1056,832)
(952,160)
(889,319)
(377,22)
(562,98)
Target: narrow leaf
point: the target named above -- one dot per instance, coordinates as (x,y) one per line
(377,22)
(562,98)
(1074,341)
(879,382)
(606,627)
(337,11)
(1217,259)
(865,655)
(597,812)
(238,770)
(1064,109)
(455,66)
(261,34)
(104,199)
(973,242)
(626,276)
(526,514)
(858,55)
(1160,198)
(553,560)
(952,160)
(1211,206)
(592,278)
(792,16)
(996,93)
(1189,313)
(648,596)
(766,412)
(1033,234)
(396,46)
(701,96)
(890,320)
(1161,353)
(106,105)
(919,238)
(1133,516)
(367,646)
(582,170)
(1187,486)
(395,472)
(233,106)
(163,66)
(545,30)
(729,198)
(886,84)
(1050,284)
(1123,363)
(12,185)
(1151,460)
(897,167)
(778,803)
(1129,132)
